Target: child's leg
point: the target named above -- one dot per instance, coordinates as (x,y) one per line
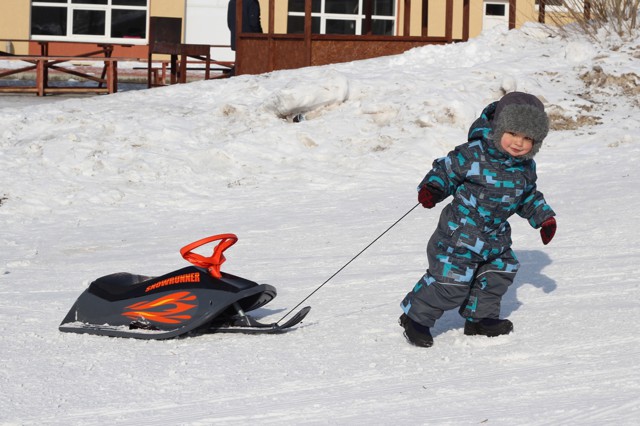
(491,283)
(429,299)
(445,285)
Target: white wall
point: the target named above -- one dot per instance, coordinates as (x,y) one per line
(206,23)
(491,21)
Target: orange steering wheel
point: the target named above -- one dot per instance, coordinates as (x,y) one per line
(213,262)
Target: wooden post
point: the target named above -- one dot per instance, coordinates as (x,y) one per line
(407,18)
(207,61)
(512,14)
(115,77)
(112,76)
(44,51)
(425,18)
(174,69)
(307,32)
(238,60)
(40,75)
(368,22)
(449,22)
(541,11)
(465,20)
(270,31)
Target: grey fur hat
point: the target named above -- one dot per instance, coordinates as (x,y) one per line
(520,113)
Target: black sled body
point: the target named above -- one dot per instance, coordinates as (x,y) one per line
(191,300)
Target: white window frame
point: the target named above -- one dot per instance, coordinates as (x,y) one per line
(575,5)
(358,18)
(107,8)
(487,3)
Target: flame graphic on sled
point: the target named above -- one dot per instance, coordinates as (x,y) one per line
(169,309)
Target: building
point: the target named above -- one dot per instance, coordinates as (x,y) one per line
(120,22)
(124,24)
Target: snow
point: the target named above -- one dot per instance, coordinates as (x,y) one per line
(96,185)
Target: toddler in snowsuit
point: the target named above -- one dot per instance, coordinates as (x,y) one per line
(491,177)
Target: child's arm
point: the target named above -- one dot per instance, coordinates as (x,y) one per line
(540,214)
(444,178)
(535,209)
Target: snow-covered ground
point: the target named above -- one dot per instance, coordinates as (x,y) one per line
(96,185)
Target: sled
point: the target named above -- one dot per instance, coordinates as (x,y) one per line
(193,300)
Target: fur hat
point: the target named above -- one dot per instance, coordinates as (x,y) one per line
(520,112)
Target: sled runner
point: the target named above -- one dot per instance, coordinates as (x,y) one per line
(196,299)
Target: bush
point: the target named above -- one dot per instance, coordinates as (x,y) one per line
(590,16)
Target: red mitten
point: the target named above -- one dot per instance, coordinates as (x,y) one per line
(548,230)
(426,198)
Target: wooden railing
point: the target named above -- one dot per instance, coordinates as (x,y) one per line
(42,65)
(258,53)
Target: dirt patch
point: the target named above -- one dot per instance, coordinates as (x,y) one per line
(559,120)
(627,84)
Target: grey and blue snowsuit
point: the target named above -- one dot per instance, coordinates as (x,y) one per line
(471,263)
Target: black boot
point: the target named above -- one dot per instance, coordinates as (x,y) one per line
(416,334)
(489,327)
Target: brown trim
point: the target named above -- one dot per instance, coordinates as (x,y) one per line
(368,21)
(449,21)
(512,14)
(406,30)
(308,26)
(466,12)
(271,31)
(425,18)
(541,11)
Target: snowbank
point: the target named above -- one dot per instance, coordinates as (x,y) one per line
(92,186)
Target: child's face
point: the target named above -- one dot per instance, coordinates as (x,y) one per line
(516,144)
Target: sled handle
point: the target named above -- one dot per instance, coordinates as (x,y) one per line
(213,262)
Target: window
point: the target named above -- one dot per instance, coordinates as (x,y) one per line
(342,17)
(561,5)
(552,2)
(492,9)
(89,20)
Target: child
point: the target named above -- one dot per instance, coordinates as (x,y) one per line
(491,177)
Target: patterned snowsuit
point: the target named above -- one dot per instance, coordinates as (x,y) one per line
(471,264)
